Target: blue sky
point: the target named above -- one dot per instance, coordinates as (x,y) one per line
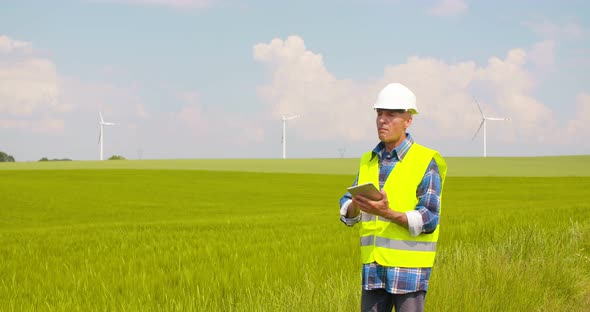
(211,78)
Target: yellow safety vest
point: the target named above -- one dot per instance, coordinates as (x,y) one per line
(388,243)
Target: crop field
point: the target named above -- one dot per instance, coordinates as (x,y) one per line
(264,235)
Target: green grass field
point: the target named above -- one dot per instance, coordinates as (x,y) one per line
(459,166)
(97,239)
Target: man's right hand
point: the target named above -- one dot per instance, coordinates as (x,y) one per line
(353,210)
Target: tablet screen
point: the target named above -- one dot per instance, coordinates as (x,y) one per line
(368,190)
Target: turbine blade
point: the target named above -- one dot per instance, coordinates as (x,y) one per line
(478,107)
(99,136)
(100,114)
(476,132)
(495,118)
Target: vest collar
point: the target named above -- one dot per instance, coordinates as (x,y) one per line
(399,152)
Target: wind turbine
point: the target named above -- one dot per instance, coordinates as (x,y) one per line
(101,135)
(284,118)
(483,123)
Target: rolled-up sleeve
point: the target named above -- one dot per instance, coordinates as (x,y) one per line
(345,201)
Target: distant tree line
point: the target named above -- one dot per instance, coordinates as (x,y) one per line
(8,158)
(5,157)
(54,159)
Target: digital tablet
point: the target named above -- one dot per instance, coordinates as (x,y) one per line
(368,190)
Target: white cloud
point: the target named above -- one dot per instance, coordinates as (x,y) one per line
(28,86)
(509,86)
(448,8)
(43,125)
(302,85)
(29,89)
(337,109)
(549,56)
(8,45)
(190,130)
(553,31)
(542,54)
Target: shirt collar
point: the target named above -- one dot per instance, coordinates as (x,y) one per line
(399,152)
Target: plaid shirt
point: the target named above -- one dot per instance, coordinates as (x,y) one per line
(393,279)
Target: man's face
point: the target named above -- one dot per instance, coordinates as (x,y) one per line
(392,124)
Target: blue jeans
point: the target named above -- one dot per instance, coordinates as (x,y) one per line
(379,300)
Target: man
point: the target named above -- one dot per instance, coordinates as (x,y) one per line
(398,233)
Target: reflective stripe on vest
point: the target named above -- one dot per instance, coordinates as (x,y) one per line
(398,244)
(383,241)
(367,217)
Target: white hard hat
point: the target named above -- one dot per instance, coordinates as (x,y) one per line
(397,96)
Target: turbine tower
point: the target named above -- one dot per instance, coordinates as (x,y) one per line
(101,135)
(284,118)
(483,123)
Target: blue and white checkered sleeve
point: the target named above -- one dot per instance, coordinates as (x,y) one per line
(429,198)
(344,202)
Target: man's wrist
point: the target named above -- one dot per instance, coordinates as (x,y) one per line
(397,217)
(353,211)
(344,208)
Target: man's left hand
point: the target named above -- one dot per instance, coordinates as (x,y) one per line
(375,207)
(380,208)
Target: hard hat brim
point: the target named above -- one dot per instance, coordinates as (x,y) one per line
(411,110)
